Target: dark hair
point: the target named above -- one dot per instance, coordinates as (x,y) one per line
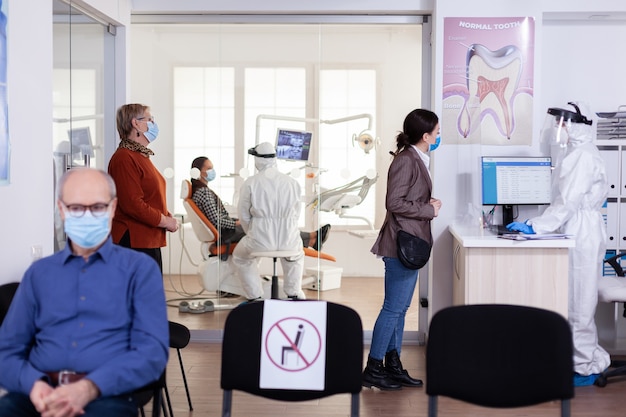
(197,163)
(416,123)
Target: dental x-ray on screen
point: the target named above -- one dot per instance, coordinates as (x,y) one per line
(293,145)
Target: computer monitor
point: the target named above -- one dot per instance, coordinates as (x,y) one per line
(80,139)
(293,145)
(515,180)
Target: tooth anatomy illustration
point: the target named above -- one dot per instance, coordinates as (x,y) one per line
(493,77)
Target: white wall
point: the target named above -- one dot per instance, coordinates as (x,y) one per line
(26,203)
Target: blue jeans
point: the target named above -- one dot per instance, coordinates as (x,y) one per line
(16,404)
(389,327)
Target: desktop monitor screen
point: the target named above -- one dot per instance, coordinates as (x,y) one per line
(293,145)
(516,180)
(81,141)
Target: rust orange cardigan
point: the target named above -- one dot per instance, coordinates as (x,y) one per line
(141,199)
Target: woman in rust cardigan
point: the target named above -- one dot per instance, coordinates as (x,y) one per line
(410,207)
(141,218)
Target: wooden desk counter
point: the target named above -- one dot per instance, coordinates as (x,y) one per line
(488,269)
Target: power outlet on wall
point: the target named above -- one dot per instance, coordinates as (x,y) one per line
(36,252)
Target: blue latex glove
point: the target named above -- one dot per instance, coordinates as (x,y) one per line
(521,227)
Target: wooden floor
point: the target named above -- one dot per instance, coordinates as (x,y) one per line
(202,367)
(365,295)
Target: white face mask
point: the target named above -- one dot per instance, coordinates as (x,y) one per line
(87,231)
(210,175)
(152,132)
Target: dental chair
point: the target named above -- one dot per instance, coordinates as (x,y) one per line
(217,271)
(345,197)
(612,289)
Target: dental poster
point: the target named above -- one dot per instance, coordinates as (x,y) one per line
(488,80)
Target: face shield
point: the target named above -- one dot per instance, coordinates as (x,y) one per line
(265,155)
(561,125)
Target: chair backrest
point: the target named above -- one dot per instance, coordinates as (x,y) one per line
(241,353)
(365,187)
(499,356)
(615,262)
(612,289)
(205,231)
(202,227)
(343,197)
(179,335)
(7,291)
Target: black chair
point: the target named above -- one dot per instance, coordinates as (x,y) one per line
(7,291)
(179,338)
(607,293)
(152,391)
(241,356)
(501,356)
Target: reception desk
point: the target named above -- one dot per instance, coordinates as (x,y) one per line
(488,269)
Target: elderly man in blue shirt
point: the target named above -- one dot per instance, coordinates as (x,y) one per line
(88,324)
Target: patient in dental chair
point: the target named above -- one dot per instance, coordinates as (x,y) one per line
(230,229)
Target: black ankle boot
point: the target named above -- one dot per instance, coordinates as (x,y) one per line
(375,375)
(397,373)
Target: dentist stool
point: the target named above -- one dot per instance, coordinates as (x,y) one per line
(275,255)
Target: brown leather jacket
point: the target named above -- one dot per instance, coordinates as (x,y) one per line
(409,190)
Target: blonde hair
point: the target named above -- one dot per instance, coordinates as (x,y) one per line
(125,116)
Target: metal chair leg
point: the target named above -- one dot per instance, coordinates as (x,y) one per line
(168,401)
(182,370)
(274,282)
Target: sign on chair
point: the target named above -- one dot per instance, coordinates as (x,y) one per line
(293,351)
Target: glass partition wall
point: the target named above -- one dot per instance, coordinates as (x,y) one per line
(83,61)
(344,89)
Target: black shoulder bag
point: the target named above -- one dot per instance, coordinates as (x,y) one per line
(413,251)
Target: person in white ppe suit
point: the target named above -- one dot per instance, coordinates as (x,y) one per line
(579,190)
(269,209)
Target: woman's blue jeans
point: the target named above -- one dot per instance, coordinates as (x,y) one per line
(389,327)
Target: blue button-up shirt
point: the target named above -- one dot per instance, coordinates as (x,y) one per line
(105,317)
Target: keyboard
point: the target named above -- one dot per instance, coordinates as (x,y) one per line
(502,230)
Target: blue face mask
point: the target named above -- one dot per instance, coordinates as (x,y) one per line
(432,147)
(87,231)
(152,132)
(210,175)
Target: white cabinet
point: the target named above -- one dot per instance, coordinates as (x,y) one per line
(613,152)
(609,321)
(610,155)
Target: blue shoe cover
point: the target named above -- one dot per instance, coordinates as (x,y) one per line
(584,380)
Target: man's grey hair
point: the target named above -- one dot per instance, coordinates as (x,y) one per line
(67,174)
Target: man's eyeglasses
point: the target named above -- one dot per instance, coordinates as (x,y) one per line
(78,210)
(147,119)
